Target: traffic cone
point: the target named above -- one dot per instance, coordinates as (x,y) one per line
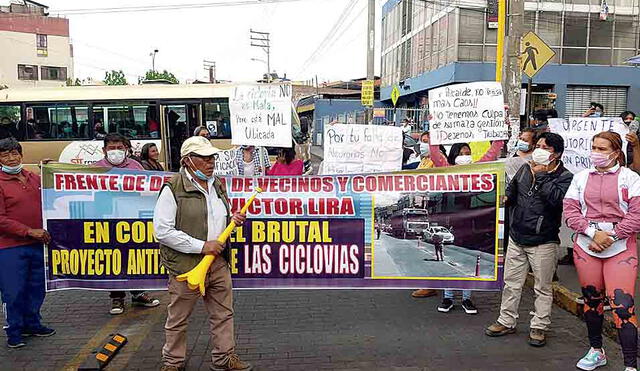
(478,266)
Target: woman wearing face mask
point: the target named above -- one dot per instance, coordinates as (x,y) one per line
(603,206)
(595,110)
(633,148)
(252,161)
(525,147)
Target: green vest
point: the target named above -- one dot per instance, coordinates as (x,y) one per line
(191,218)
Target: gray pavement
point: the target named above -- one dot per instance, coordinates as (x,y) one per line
(311,330)
(397,257)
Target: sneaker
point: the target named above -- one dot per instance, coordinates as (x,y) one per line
(468,307)
(144,300)
(446,306)
(630,369)
(537,338)
(15,343)
(605,307)
(233,363)
(592,360)
(498,329)
(424,293)
(117,306)
(39,332)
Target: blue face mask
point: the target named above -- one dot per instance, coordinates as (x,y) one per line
(523,146)
(12,170)
(425,150)
(199,173)
(596,114)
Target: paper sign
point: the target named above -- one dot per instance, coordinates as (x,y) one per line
(226,163)
(367,93)
(360,149)
(261,115)
(578,135)
(466,113)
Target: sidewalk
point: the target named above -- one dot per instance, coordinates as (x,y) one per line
(311,330)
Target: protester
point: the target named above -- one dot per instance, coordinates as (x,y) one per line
(633,147)
(252,161)
(287,164)
(149,157)
(460,154)
(595,110)
(525,147)
(534,200)
(603,207)
(116,147)
(406,127)
(201,131)
(21,251)
(99,132)
(190,214)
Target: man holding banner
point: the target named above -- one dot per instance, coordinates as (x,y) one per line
(191,212)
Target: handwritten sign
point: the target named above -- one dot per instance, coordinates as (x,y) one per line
(261,115)
(358,149)
(226,163)
(464,113)
(578,134)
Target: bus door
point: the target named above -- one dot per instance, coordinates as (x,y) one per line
(178,123)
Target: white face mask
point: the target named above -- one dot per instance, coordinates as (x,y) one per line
(116,156)
(541,157)
(463,160)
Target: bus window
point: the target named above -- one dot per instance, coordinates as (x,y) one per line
(218,119)
(9,118)
(57,121)
(133,120)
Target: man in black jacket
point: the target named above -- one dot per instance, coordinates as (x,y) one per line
(534,203)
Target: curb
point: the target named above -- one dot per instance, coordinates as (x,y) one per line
(566,299)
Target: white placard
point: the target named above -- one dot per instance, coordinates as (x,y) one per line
(226,163)
(261,115)
(464,113)
(361,149)
(578,134)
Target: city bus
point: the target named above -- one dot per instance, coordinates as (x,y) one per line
(66,124)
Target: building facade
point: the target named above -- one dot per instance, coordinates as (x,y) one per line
(427,44)
(36,49)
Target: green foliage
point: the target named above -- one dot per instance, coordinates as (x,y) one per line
(164,75)
(12,112)
(75,82)
(115,78)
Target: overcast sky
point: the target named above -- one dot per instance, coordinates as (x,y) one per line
(185,37)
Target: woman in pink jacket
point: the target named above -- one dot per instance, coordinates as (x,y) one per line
(603,206)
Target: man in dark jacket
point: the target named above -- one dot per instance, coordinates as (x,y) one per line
(534,203)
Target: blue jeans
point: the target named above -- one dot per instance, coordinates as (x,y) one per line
(22,287)
(466,294)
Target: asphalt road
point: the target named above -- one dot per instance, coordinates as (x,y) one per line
(396,257)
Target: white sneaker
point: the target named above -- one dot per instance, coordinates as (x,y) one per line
(630,369)
(592,360)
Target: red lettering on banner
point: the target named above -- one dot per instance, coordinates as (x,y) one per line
(487,182)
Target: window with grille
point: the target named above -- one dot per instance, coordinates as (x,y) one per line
(27,72)
(41,45)
(54,73)
(613,98)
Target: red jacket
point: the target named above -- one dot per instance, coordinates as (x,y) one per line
(20,209)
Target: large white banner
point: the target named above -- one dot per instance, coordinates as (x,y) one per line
(578,134)
(361,149)
(464,113)
(261,115)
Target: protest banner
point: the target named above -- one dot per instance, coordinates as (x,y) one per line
(359,149)
(578,133)
(226,163)
(345,231)
(464,113)
(261,115)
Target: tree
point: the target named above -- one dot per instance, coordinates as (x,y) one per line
(115,78)
(155,75)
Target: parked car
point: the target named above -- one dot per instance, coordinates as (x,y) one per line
(447,236)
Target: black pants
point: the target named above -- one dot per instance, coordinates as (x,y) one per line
(122,294)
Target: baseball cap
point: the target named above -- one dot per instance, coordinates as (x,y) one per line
(200,146)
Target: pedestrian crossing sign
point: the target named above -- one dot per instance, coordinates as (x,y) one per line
(535,54)
(395,94)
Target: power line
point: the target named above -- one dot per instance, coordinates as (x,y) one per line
(152,8)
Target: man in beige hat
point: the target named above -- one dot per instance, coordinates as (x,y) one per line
(191,212)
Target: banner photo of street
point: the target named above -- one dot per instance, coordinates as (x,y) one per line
(434,228)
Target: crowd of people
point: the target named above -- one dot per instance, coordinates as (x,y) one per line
(601,205)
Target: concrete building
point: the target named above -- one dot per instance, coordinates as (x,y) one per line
(36,49)
(427,44)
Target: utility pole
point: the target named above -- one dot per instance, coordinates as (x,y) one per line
(371,40)
(153,59)
(211,67)
(512,72)
(261,40)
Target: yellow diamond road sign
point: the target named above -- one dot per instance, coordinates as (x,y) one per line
(535,54)
(395,94)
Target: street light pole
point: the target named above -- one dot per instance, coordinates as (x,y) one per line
(153,60)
